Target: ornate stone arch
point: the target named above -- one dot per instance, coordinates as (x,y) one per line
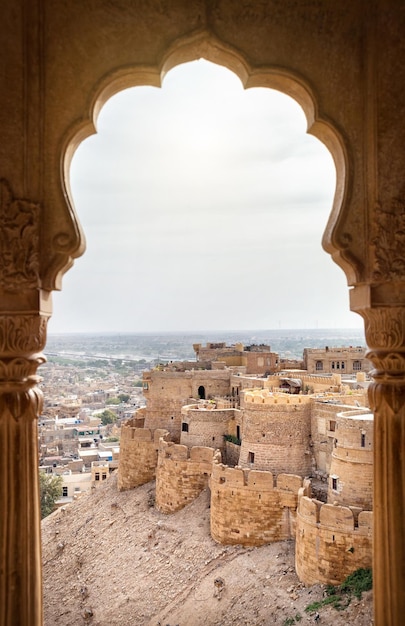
(344,62)
(203,45)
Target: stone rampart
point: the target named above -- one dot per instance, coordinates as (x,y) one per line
(138,455)
(248,508)
(331,541)
(181,474)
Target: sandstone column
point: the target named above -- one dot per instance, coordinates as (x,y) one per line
(385,335)
(24,312)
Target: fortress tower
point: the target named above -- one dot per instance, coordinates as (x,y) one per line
(276,432)
(351,470)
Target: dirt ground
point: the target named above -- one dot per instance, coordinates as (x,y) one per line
(111,559)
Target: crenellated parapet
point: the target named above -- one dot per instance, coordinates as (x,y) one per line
(331,541)
(181,474)
(250,507)
(266,397)
(138,454)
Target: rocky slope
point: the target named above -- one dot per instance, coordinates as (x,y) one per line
(111,559)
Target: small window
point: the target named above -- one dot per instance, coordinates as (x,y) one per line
(238,432)
(319,366)
(363,440)
(333,365)
(104,476)
(332,425)
(334,484)
(97,476)
(184,427)
(357,366)
(337,365)
(251,457)
(64,492)
(343,365)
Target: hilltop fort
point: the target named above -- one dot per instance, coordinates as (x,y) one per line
(284,447)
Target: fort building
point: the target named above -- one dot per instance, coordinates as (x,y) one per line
(344,360)
(286,456)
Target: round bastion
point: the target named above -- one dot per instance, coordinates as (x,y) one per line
(351,470)
(276,432)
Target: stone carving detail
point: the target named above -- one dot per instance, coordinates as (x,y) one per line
(384,397)
(389,243)
(19,241)
(22,334)
(24,404)
(385,327)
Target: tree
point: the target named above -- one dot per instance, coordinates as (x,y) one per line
(50,489)
(113,401)
(108,417)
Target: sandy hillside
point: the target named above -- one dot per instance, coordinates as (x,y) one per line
(111,559)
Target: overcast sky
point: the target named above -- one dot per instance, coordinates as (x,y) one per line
(203,207)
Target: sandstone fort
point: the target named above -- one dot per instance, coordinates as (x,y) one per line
(286,454)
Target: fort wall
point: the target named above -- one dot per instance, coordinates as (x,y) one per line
(247,508)
(138,454)
(181,474)
(331,541)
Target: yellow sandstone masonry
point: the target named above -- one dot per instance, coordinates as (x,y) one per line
(247,508)
(181,474)
(139,450)
(331,541)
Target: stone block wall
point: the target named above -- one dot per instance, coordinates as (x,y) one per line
(232,452)
(138,455)
(276,433)
(181,474)
(331,541)
(248,509)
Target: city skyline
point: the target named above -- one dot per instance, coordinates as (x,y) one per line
(203,206)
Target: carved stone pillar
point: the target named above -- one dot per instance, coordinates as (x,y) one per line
(21,337)
(385,335)
(24,312)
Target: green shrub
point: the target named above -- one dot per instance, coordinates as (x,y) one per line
(233,439)
(341,596)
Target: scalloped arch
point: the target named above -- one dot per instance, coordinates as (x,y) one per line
(203,45)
